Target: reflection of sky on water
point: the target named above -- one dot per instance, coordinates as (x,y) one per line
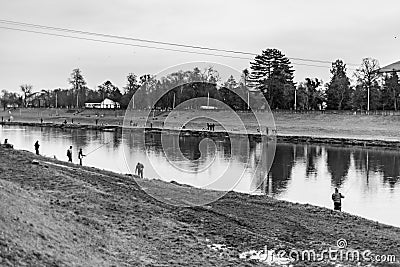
(369,178)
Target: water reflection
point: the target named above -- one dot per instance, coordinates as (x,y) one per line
(281,170)
(369,178)
(338,162)
(384,162)
(312,154)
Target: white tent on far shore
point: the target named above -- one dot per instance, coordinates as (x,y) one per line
(394,67)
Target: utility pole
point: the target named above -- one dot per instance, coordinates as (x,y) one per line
(248,99)
(56,99)
(245,73)
(77,91)
(368,100)
(295,98)
(173,104)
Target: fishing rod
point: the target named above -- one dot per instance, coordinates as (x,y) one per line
(351,185)
(98,148)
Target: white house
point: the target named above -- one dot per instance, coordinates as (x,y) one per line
(106,104)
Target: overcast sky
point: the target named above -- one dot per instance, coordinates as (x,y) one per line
(310,29)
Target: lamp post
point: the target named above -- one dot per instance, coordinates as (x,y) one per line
(248,99)
(56,99)
(368,99)
(245,74)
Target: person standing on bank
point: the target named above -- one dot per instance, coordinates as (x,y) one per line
(337,200)
(69,154)
(139,169)
(80,156)
(37,147)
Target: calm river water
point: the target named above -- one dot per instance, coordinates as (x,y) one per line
(369,178)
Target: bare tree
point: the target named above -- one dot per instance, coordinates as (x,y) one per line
(27,90)
(367,75)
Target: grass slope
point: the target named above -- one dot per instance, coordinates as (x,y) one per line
(58,214)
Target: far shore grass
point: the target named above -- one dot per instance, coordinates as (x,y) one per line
(328,125)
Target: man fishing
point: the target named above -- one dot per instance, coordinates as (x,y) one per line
(80,156)
(139,169)
(337,200)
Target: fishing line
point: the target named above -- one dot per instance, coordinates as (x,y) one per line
(351,185)
(98,148)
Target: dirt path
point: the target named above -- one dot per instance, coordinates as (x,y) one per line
(58,214)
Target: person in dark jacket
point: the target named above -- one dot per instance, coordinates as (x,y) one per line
(69,154)
(337,200)
(37,147)
(139,169)
(80,156)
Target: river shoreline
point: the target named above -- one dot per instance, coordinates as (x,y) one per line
(56,213)
(294,139)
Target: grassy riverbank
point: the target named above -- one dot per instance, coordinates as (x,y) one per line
(59,214)
(368,127)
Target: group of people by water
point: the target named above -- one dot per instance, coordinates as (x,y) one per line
(138,170)
(69,153)
(80,155)
(211,126)
(336,196)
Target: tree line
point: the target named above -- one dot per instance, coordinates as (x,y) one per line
(271,74)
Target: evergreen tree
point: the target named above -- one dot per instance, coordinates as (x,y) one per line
(338,92)
(272,74)
(231,83)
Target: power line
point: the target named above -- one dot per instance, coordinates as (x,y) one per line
(119,43)
(149,41)
(143,46)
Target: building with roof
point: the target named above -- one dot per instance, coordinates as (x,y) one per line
(105,104)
